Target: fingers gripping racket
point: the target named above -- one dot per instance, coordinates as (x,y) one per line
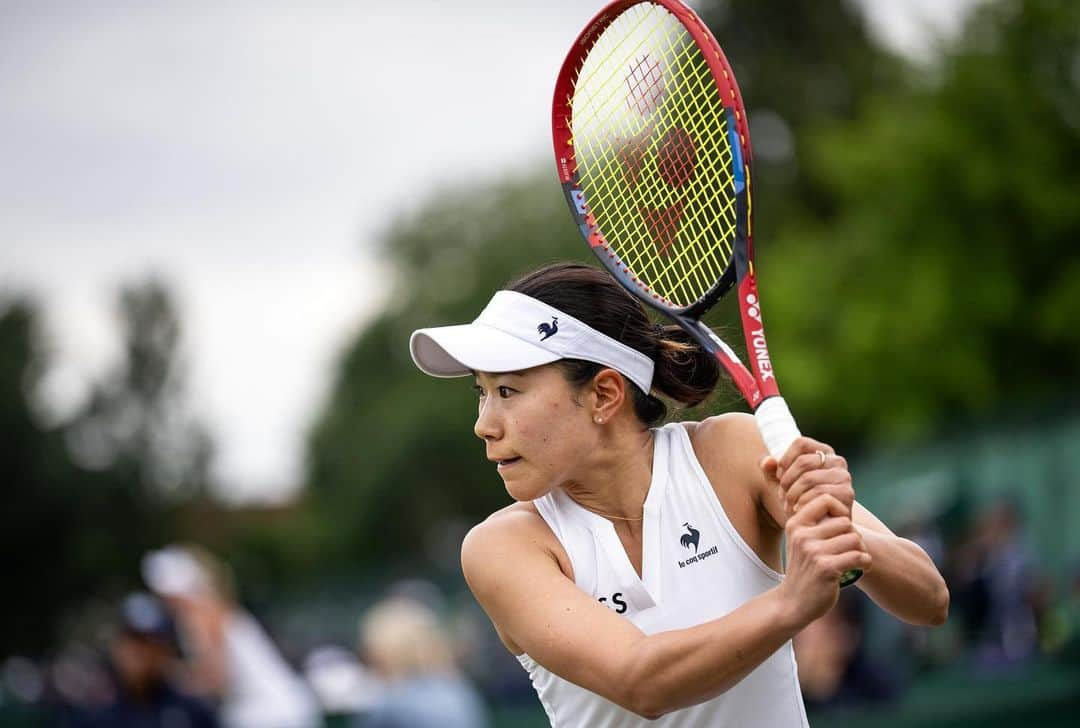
(653,152)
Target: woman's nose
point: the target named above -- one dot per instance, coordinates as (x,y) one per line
(486,427)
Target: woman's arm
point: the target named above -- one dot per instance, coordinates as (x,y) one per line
(510,568)
(904,581)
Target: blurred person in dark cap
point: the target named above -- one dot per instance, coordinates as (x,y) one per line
(998,587)
(143,655)
(233,659)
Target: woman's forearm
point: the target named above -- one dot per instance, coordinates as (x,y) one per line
(679,668)
(904,581)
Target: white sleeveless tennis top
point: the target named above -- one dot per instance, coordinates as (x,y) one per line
(695,568)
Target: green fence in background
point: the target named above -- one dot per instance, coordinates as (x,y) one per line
(1034,461)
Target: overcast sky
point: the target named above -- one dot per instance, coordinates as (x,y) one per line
(247,153)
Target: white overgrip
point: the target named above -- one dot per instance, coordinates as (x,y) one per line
(776,425)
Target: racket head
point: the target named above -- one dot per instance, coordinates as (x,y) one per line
(653,152)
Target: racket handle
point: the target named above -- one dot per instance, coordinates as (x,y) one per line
(778,430)
(849,577)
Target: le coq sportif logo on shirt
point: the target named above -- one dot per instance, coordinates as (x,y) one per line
(547,330)
(691,538)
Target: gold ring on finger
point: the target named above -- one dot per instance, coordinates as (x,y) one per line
(821,456)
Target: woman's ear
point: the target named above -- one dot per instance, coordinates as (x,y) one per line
(609,394)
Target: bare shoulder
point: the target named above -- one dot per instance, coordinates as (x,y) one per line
(731,438)
(507,526)
(505,536)
(504,521)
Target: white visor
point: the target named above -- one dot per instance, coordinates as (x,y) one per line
(516,332)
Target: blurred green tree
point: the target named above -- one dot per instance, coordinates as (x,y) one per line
(946,283)
(136,416)
(38,517)
(86,498)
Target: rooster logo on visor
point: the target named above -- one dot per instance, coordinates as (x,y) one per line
(547,330)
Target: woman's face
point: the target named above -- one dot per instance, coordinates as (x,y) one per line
(536,428)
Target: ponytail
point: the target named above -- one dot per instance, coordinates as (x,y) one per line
(685,372)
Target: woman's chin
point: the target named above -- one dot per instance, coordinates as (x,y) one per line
(525,489)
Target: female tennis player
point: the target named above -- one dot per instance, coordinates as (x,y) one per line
(638,573)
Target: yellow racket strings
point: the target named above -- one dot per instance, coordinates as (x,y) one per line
(689,280)
(653,153)
(678,263)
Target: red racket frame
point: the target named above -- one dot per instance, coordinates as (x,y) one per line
(758,383)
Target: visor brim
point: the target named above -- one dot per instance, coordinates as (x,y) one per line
(456,351)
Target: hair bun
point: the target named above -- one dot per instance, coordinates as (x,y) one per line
(685,372)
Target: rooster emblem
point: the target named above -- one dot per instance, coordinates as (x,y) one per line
(547,330)
(690,538)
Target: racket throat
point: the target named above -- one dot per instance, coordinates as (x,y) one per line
(729,360)
(757,347)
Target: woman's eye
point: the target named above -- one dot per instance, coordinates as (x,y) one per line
(505,392)
(479,392)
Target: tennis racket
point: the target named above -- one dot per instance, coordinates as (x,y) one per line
(653,153)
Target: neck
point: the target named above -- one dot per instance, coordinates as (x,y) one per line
(615,483)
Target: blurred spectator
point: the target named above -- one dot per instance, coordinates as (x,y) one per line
(233,659)
(834,669)
(420,591)
(142,654)
(486,660)
(404,643)
(997,585)
(343,684)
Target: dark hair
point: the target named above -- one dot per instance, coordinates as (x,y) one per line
(684,371)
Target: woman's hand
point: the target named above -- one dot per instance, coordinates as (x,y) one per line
(822,544)
(808,469)
(814,487)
